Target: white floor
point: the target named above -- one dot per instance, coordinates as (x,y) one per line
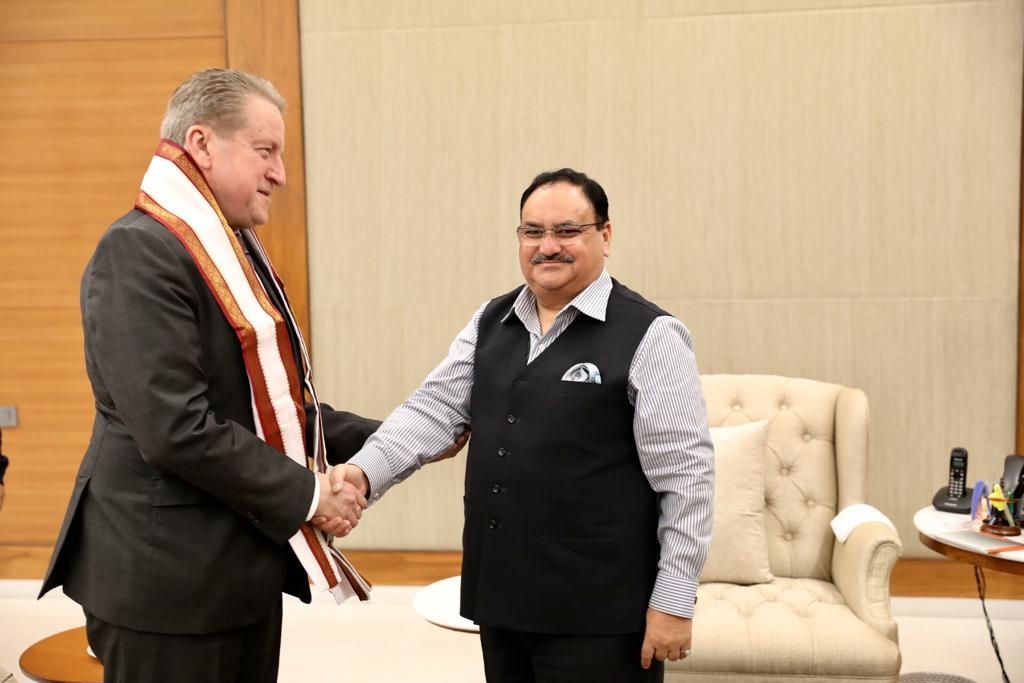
(385,640)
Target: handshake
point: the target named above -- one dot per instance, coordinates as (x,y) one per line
(342,499)
(343,493)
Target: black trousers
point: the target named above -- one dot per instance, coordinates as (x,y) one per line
(244,655)
(519,657)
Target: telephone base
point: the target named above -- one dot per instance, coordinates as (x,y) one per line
(947,503)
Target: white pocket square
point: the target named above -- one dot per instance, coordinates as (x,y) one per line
(583,372)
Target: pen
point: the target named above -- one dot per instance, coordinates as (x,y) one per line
(1005,549)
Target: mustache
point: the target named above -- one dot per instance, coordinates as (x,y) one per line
(560,257)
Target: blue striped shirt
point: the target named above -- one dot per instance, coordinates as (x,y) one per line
(669,424)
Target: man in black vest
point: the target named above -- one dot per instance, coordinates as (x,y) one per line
(590,474)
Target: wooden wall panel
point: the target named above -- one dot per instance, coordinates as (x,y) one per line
(87,84)
(108,19)
(41,370)
(79,130)
(89,87)
(78,137)
(263,37)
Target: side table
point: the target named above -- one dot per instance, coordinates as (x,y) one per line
(438,603)
(949,534)
(62,658)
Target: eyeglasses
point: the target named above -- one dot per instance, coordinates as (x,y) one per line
(533,235)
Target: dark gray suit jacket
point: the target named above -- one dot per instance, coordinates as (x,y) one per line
(180,516)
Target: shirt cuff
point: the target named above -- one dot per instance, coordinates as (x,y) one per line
(316,497)
(674,595)
(375,466)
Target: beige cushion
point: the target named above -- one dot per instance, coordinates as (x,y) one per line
(739,548)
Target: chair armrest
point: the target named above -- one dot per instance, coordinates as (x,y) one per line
(861,568)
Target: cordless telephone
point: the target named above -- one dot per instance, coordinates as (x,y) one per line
(955,497)
(957,472)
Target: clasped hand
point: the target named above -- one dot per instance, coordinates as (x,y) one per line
(340,506)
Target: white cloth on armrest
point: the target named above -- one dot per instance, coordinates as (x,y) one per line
(852,516)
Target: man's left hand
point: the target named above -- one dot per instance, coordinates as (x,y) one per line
(453,450)
(666,637)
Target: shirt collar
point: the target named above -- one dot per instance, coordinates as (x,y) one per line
(592,301)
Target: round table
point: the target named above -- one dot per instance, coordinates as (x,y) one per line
(62,658)
(939,530)
(438,603)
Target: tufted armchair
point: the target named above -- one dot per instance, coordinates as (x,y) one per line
(826,614)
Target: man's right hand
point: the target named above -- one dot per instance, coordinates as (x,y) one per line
(352,475)
(340,506)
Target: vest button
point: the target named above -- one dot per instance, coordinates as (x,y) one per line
(788,536)
(495,489)
(502,452)
(493,524)
(511,418)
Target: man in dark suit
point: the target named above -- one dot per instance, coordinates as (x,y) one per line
(188,515)
(590,475)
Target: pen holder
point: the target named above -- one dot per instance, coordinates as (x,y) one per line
(1001,519)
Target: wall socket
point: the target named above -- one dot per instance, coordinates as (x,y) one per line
(8,416)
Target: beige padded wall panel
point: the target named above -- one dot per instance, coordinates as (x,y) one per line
(822,189)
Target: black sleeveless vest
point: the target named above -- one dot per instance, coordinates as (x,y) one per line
(560,533)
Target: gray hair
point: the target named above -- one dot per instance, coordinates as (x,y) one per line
(217,98)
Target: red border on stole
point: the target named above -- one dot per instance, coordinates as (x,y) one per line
(176,154)
(243,329)
(229,307)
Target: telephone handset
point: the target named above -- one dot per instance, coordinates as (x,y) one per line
(957,472)
(955,497)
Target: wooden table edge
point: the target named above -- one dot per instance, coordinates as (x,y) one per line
(998,564)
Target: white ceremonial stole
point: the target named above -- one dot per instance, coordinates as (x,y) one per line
(175,193)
